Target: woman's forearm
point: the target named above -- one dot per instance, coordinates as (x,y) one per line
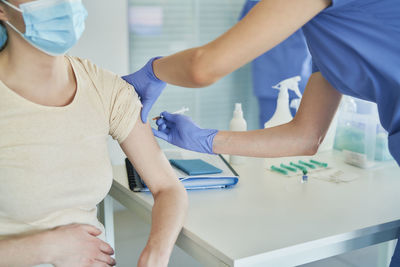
(22,250)
(281,141)
(170,197)
(168,215)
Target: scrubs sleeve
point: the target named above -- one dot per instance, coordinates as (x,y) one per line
(338,3)
(247,7)
(314,67)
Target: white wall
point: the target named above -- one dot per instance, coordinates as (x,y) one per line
(106,43)
(106,38)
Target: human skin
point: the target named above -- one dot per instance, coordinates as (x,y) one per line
(266,25)
(49,80)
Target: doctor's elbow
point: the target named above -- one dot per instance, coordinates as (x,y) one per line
(308,136)
(311,149)
(312,144)
(201,71)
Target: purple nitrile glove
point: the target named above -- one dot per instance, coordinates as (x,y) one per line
(181,131)
(147,86)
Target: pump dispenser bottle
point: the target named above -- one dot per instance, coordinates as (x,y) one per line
(237,123)
(282,113)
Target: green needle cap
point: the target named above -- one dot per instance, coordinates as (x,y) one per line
(298,166)
(307,164)
(319,163)
(276,169)
(288,167)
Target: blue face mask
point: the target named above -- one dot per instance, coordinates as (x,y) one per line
(52,26)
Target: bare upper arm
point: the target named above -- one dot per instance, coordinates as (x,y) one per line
(269,23)
(318,106)
(145,154)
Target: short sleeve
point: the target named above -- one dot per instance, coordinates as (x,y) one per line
(125,108)
(247,7)
(120,102)
(339,3)
(314,67)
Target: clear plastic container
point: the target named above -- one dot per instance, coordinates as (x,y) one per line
(359,134)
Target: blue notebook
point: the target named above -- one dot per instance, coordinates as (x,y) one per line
(216,173)
(194,166)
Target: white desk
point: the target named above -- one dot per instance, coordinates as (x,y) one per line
(270,220)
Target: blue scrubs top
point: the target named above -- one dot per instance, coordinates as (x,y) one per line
(288,59)
(355,44)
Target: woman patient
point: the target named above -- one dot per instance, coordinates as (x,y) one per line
(56,112)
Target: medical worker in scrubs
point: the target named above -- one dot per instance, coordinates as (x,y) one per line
(286,60)
(355,49)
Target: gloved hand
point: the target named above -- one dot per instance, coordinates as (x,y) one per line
(147,86)
(181,131)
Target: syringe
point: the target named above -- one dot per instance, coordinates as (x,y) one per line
(180,111)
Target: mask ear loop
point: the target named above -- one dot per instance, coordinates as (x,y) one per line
(15,8)
(20,33)
(32,44)
(13,27)
(12,6)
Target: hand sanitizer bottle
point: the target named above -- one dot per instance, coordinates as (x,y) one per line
(237,123)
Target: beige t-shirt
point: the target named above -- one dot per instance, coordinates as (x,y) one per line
(54,163)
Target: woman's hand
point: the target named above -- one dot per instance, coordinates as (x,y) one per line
(149,258)
(77,245)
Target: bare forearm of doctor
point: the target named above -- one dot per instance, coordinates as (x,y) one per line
(266,25)
(301,136)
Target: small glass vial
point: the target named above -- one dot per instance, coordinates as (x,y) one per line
(304,177)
